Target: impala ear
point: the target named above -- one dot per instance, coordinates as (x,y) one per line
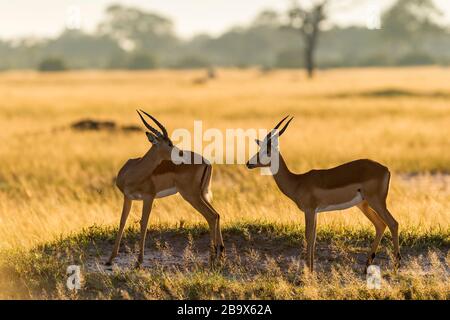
(151,138)
(258,142)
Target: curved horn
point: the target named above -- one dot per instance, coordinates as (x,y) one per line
(149,127)
(164,131)
(285,127)
(279,123)
(276,127)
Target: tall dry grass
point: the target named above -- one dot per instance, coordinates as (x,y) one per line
(54,180)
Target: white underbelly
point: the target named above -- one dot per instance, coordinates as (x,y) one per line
(341,206)
(160,194)
(135,195)
(166,192)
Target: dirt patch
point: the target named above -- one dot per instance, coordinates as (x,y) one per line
(255,253)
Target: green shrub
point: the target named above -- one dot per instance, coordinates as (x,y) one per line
(289,59)
(192,62)
(141,61)
(415,59)
(52,64)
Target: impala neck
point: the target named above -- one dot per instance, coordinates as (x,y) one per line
(145,166)
(150,160)
(285,179)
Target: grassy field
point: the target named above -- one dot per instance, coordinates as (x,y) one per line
(56,182)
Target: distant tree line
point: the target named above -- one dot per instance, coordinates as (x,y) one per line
(130,38)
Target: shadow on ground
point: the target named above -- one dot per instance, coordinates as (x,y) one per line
(255,250)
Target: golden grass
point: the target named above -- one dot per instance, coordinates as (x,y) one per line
(54,180)
(262,262)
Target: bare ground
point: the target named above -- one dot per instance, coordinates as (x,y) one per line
(171,250)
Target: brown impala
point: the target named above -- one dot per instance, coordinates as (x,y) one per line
(362,183)
(155,175)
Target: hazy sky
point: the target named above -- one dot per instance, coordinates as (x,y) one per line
(50,17)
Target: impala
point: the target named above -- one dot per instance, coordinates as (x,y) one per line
(155,175)
(362,183)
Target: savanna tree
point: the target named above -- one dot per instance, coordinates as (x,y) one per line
(307,21)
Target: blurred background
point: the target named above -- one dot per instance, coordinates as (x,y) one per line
(52,35)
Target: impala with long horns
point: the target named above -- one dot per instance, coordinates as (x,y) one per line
(362,183)
(155,175)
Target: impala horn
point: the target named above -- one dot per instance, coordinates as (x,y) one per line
(269,135)
(149,127)
(163,129)
(285,127)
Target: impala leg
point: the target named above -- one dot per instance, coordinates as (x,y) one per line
(379,225)
(211,217)
(146,209)
(206,198)
(218,244)
(310,230)
(123,219)
(380,207)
